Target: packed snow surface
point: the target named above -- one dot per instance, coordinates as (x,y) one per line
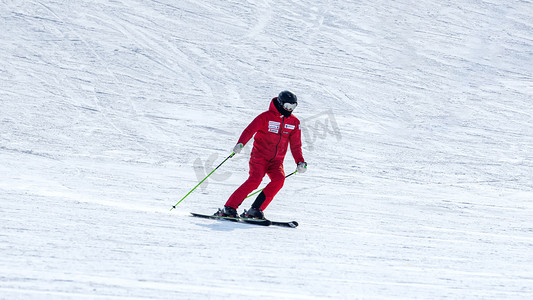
(417,128)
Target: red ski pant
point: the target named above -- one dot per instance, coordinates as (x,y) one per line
(258,168)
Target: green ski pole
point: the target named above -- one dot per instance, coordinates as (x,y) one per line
(231,155)
(257,192)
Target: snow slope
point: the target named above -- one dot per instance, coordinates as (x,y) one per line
(418,132)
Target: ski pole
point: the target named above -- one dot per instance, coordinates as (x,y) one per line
(231,155)
(256,192)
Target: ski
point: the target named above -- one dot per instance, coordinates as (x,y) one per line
(242,220)
(291,224)
(264,222)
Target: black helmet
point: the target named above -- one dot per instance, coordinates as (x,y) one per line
(287,100)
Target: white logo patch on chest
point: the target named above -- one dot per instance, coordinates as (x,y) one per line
(274,126)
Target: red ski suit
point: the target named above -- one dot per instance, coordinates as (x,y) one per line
(273,133)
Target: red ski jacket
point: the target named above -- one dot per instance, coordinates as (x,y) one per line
(273,133)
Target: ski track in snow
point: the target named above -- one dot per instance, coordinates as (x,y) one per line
(417,126)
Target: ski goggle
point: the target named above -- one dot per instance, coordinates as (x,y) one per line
(289,106)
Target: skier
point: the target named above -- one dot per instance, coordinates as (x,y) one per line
(274,130)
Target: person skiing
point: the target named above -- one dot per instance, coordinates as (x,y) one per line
(274,130)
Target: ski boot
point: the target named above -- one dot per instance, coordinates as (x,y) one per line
(227,212)
(253,213)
